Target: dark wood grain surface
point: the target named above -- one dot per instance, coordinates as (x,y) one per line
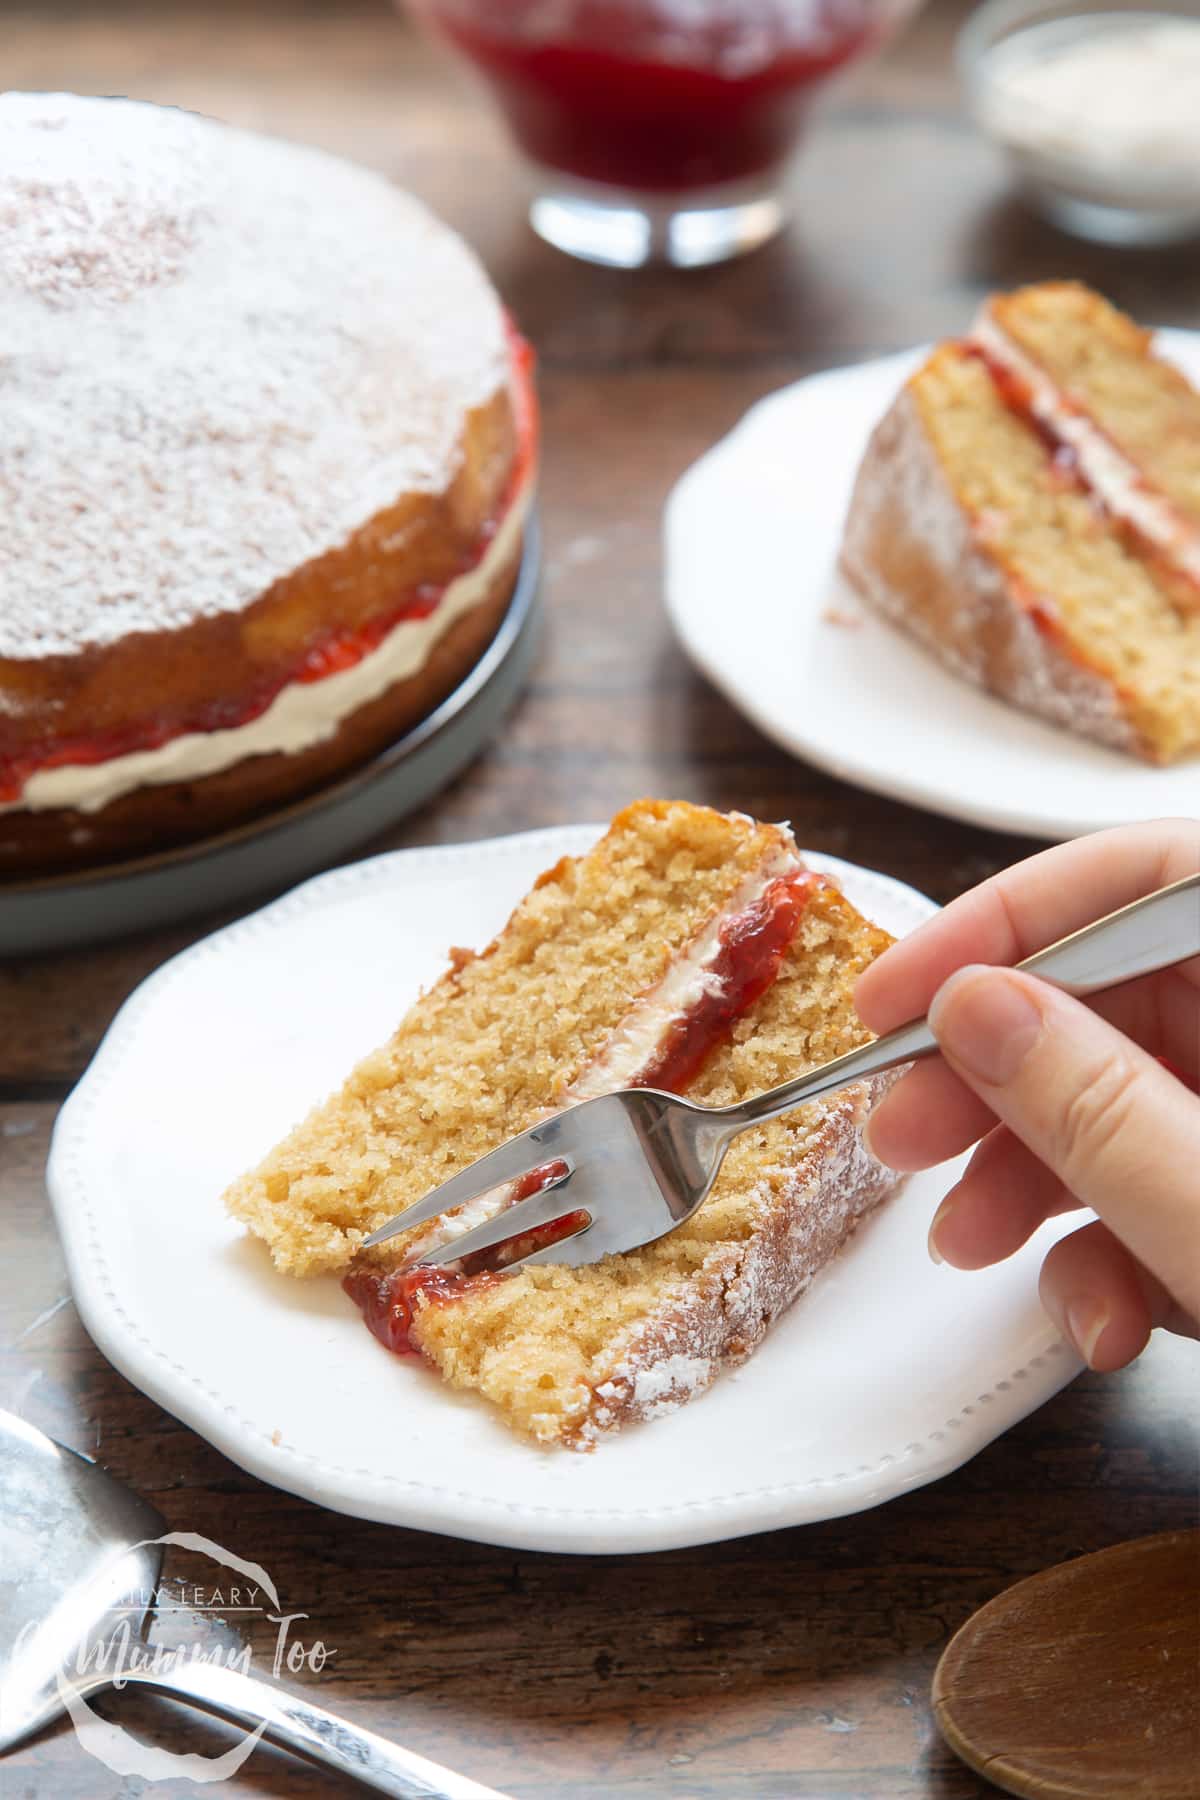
(793,1664)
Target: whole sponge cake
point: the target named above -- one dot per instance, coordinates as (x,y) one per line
(1029,508)
(688,950)
(265,458)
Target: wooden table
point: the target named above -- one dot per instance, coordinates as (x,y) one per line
(794,1664)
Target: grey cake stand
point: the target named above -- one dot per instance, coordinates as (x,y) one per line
(66,911)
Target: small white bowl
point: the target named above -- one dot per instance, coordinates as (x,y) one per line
(1104,135)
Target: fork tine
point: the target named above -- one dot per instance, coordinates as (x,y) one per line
(540,1209)
(565,1251)
(496,1169)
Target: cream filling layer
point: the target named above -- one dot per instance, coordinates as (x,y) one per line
(633,1045)
(1116,480)
(634,1042)
(302,714)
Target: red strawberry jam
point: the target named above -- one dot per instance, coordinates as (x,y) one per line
(1066,470)
(388,1299)
(631,94)
(753,945)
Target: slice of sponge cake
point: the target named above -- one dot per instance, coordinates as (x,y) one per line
(1029,508)
(690,950)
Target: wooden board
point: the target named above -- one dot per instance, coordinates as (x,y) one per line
(1084,1680)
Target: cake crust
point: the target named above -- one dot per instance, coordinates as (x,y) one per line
(809,1212)
(914,552)
(153,818)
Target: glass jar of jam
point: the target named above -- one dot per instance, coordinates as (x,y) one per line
(658,129)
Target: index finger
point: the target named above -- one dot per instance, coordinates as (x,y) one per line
(1025,908)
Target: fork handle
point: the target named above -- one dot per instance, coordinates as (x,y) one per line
(1149,934)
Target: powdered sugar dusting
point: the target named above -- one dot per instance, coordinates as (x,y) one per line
(222,354)
(105,224)
(669,1382)
(966,612)
(806,1211)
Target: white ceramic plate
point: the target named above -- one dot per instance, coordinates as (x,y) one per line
(752,534)
(887,1374)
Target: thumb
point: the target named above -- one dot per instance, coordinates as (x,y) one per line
(1119,1131)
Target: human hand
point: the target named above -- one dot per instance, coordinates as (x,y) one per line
(1068,1100)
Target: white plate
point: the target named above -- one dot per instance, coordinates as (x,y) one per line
(752,534)
(887,1374)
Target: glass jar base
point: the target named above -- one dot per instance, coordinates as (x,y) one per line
(1125,226)
(624,230)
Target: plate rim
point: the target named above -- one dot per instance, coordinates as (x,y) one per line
(413,1503)
(840,761)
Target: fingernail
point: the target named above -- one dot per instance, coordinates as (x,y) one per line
(986,1021)
(940,1216)
(1087,1321)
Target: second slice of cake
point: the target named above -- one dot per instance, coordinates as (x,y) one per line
(1029,509)
(690,951)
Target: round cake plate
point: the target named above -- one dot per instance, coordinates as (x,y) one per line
(67,911)
(890,1373)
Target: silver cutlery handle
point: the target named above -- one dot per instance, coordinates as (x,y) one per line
(318,1736)
(1142,937)
(1147,935)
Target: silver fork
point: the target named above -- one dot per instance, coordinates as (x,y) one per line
(638,1163)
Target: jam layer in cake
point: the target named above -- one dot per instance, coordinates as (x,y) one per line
(1154,403)
(1105,371)
(689,945)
